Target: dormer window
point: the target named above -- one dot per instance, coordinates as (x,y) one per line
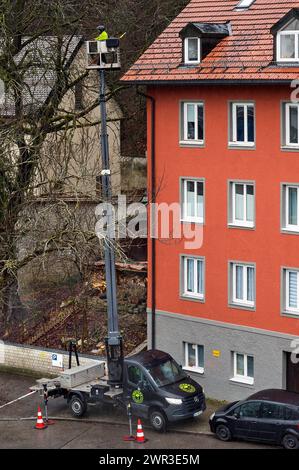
(286,38)
(288,43)
(192,51)
(199,39)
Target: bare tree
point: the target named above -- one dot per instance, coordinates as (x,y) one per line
(38,41)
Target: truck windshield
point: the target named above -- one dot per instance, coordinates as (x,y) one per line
(166,373)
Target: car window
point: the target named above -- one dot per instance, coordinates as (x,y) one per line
(250,410)
(291,414)
(272,411)
(135,374)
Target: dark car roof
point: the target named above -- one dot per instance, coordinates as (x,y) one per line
(276,395)
(150,358)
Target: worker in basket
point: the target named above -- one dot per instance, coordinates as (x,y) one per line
(103,35)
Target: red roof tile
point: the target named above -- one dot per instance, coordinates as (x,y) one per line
(245,55)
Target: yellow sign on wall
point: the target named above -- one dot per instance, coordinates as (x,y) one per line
(43,355)
(216,353)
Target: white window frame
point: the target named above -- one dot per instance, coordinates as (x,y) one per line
(235,300)
(186,49)
(233,121)
(239,223)
(197,368)
(242,378)
(185,217)
(288,309)
(196,140)
(278,46)
(287,226)
(193,295)
(288,107)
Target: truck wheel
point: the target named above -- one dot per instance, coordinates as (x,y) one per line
(290,442)
(78,406)
(158,421)
(223,433)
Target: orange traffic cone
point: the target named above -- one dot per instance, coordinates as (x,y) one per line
(140,434)
(40,422)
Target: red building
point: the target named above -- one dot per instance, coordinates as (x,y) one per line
(223,140)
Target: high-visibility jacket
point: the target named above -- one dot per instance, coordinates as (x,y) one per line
(102,37)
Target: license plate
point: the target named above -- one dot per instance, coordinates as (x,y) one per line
(198,413)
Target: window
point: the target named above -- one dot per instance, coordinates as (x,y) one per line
(241,204)
(193,201)
(288,43)
(290,208)
(135,375)
(291,414)
(250,409)
(291,291)
(193,277)
(290,123)
(272,411)
(244,4)
(243,285)
(242,124)
(243,368)
(194,357)
(192,128)
(192,51)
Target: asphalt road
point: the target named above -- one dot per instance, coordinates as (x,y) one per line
(17,431)
(76,435)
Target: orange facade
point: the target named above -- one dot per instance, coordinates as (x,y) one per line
(266,164)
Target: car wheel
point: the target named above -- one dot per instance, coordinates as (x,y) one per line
(290,442)
(223,433)
(158,421)
(78,406)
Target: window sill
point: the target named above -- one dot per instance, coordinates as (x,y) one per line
(186,221)
(240,226)
(290,230)
(290,148)
(288,62)
(242,306)
(191,298)
(241,145)
(192,144)
(195,370)
(192,63)
(242,380)
(290,314)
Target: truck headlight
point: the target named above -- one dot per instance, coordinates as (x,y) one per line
(174,401)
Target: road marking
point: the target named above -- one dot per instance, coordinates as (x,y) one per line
(18,399)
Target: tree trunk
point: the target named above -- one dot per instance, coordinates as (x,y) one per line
(12,309)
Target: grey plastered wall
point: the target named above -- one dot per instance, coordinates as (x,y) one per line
(267,347)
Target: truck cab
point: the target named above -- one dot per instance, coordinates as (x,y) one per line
(159,390)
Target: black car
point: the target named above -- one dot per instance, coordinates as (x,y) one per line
(270,416)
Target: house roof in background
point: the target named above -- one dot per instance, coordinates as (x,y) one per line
(245,55)
(41,77)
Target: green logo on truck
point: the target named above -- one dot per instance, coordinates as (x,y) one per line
(188,388)
(138,397)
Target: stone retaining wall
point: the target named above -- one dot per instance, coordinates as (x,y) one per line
(34,359)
